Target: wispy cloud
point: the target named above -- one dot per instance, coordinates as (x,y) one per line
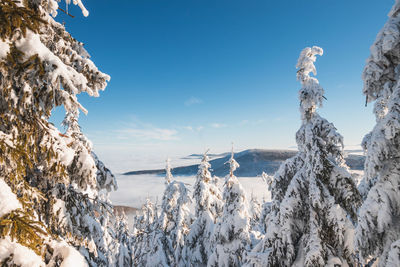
(218,125)
(136,129)
(189,128)
(193,101)
(251,122)
(193,129)
(152,133)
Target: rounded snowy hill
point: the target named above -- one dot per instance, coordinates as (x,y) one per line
(252,163)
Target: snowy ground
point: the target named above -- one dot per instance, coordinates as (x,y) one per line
(133,190)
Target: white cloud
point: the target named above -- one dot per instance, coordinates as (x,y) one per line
(193,101)
(251,122)
(137,130)
(189,128)
(148,133)
(218,125)
(193,129)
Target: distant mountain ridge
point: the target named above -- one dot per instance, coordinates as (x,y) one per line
(252,163)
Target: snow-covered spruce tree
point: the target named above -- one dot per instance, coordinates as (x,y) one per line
(255,209)
(314,197)
(231,234)
(143,230)
(146,218)
(125,254)
(208,207)
(378,229)
(172,226)
(257,225)
(168,173)
(53,180)
(264,216)
(266,206)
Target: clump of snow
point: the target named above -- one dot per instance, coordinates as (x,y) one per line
(393,255)
(311,94)
(4,49)
(305,63)
(18,254)
(8,200)
(32,45)
(233,164)
(85,12)
(71,257)
(52,6)
(7,139)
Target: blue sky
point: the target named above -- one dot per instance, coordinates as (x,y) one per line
(193,74)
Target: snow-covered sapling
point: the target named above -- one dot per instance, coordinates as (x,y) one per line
(231,234)
(208,207)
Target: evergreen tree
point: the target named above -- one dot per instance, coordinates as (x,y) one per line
(264,217)
(314,197)
(60,185)
(143,233)
(256,230)
(208,207)
(172,225)
(378,230)
(231,234)
(255,210)
(160,251)
(168,174)
(146,218)
(125,254)
(266,206)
